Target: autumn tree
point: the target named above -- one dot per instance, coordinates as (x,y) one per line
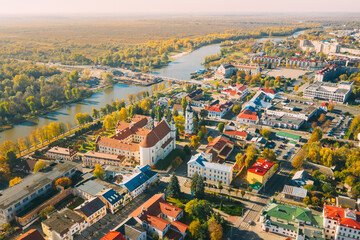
(39,165)
(194,228)
(109,122)
(239,159)
(298,162)
(179,123)
(64,181)
(98,172)
(215,229)
(195,141)
(251,154)
(316,135)
(210,138)
(266,132)
(46,211)
(236,109)
(322,118)
(14,181)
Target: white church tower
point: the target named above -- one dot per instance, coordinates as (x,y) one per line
(189,121)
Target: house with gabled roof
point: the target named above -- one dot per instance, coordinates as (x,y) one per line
(161,218)
(291,221)
(92,210)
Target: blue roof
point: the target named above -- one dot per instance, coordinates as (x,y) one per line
(139,178)
(111,196)
(251,108)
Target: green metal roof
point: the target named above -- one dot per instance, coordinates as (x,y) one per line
(291,213)
(288,135)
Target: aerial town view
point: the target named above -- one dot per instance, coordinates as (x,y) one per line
(188,120)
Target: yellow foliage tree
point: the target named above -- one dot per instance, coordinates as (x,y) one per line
(14,181)
(41,164)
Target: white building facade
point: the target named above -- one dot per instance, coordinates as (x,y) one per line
(212,172)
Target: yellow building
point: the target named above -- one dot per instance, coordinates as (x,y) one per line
(92,210)
(260,172)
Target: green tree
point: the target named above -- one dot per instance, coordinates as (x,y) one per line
(220,186)
(200,187)
(221,127)
(184,104)
(173,189)
(203,113)
(199,209)
(194,181)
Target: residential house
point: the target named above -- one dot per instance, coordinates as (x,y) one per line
(92,210)
(113,235)
(132,230)
(220,148)
(301,178)
(247,117)
(195,95)
(345,202)
(163,101)
(219,110)
(32,234)
(113,200)
(294,193)
(236,92)
(211,172)
(63,225)
(60,153)
(235,134)
(142,178)
(161,218)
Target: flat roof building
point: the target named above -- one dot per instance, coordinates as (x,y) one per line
(337,92)
(15,200)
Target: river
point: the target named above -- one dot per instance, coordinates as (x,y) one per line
(180,68)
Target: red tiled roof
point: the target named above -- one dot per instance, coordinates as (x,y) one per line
(325,104)
(219,143)
(268,90)
(158,133)
(156,205)
(173,235)
(236,133)
(242,87)
(248,114)
(32,234)
(167,142)
(113,235)
(214,108)
(338,214)
(261,167)
(155,222)
(181,227)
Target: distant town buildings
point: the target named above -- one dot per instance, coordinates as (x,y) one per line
(226,70)
(329,91)
(212,172)
(320,46)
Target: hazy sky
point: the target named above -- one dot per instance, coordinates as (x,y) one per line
(64,7)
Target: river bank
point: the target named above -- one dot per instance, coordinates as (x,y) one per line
(181,68)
